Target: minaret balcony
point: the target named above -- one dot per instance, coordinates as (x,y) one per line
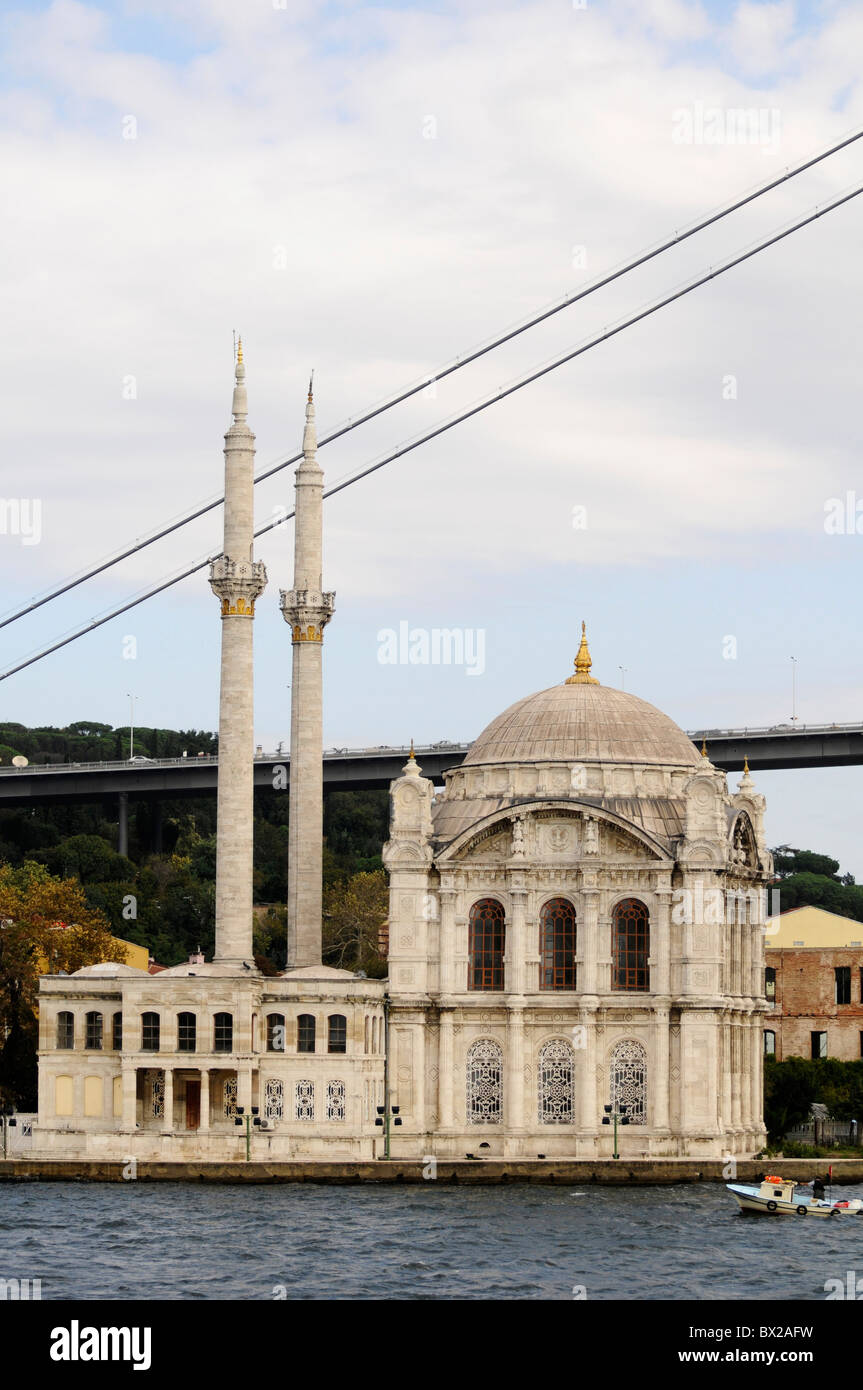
(237,583)
(308,611)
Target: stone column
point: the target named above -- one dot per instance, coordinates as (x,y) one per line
(515,944)
(204,1122)
(660,1097)
(445,1070)
(237,580)
(735,1069)
(130,1092)
(168,1117)
(585,1069)
(660,943)
(725,1079)
(308,610)
(756,1092)
(419,1077)
(244,1087)
(447,939)
(589,932)
(513,1117)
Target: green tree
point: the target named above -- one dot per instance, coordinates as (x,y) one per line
(354,916)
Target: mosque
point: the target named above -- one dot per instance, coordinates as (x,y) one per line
(561,980)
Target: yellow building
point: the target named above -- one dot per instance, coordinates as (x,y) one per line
(812,927)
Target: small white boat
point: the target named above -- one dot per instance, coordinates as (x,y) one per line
(782,1197)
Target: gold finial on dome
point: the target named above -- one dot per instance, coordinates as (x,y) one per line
(413,756)
(583,664)
(239,351)
(704,748)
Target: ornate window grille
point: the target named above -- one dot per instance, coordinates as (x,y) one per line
(335,1100)
(223,1033)
(274,1099)
(187,1032)
(150,1032)
(631,946)
(117,1032)
(557,942)
(337,1040)
(229,1098)
(556,1083)
(486,942)
(304,1100)
(629,1080)
(306,1033)
(484,1083)
(93,1031)
(275,1032)
(66,1029)
(158,1097)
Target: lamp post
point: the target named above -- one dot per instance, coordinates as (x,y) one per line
(383,1118)
(794,690)
(132,698)
(623,670)
(614,1113)
(249,1117)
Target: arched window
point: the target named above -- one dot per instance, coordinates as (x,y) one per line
(275,1032)
(629,1081)
(337,1039)
(223,1033)
(484,1083)
(65,1029)
(150,1030)
(486,940)
(769,1043)
(187,1032)
(631,945)
(770,983)
(306,1033)
(556,1083)
(117,1032)
(557,945)
(93,1031)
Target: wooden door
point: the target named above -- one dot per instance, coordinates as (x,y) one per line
(193,1104)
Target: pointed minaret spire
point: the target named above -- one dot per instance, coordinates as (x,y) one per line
(237,580)
(308,610)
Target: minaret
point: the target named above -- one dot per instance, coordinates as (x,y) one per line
(308,610)
(237,580)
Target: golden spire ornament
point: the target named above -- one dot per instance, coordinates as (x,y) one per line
(583,663)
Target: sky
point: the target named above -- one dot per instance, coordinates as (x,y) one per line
(371,190)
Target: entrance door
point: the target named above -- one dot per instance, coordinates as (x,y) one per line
(193,1104)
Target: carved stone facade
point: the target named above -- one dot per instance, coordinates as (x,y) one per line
(588,797)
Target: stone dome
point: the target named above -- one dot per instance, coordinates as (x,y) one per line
(584,723)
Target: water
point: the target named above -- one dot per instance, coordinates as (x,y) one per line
(186,1241)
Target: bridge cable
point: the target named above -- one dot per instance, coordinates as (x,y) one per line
(458,419)
(453,366)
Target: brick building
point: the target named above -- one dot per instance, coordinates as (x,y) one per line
(814,986)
